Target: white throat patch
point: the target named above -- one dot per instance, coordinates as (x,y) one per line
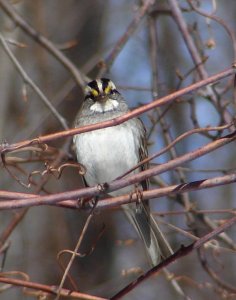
(109,105)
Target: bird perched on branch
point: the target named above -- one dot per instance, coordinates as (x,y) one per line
(110,152)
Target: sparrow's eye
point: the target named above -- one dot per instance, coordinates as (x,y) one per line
(99,87)
(107,86)
(91,90)
(114,92)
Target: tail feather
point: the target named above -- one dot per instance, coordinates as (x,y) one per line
(156,245)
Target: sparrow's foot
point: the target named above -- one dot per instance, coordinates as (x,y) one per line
(81,203)
(139,195)
(102,187)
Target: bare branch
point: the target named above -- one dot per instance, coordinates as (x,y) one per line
(50,290)
(123,40)
(183,251)
(19,200)
(177,14)
(43,41)
(136,112)
(73,256)
(30,82)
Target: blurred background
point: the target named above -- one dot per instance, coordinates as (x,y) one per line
(153,62)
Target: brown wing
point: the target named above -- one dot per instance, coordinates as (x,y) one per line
(143,153)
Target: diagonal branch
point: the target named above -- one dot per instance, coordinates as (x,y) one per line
(136,112)
(43,41)
(125,37)
(194,53)
(51,290)
(30,82)
(12,200)
(183,251)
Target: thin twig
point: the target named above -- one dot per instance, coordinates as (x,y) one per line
(125,37)
(36,200)
(30,82)
(222,283)
(174,142)
(119,120)
(218,20)
(182,25)
(43,41)
(73,256)
(166,134)
(50,290)
(167,191)
(183,251)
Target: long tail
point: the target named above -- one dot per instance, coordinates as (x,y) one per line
(156,245)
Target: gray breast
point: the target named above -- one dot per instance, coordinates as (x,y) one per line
(108,153)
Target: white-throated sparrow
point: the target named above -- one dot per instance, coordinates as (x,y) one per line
(110,152)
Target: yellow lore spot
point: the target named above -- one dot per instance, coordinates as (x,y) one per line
(94,92)
(107,90)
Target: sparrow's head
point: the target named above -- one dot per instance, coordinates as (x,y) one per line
(100,89)
(103,92)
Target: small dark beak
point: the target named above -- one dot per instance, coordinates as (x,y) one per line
(102,98)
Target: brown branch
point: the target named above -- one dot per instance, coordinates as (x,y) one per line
(183,251)
(156,103)
(218,20)
(19,200)
(168,191)
(230,211)
(31,83)
(73,256)
(125,37)
(174,142)
(213,274)
(40,186)
(51,290)
(181,23)
(171,164)
(11,226)
(43,41)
